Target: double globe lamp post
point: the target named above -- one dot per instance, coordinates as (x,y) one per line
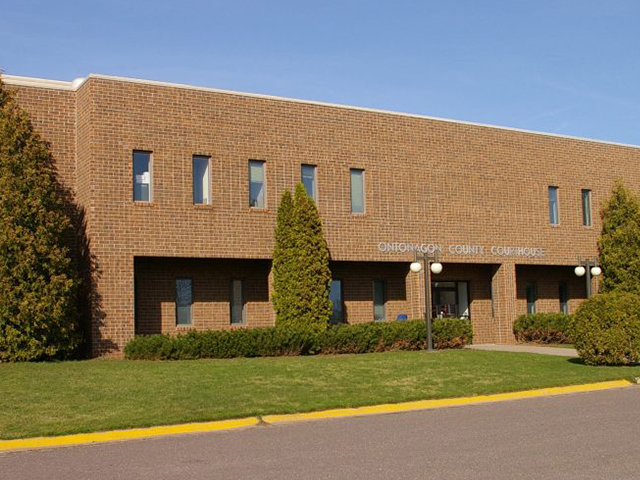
(431,265)
(590,268)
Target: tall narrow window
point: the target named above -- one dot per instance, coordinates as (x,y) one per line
(184,300)
(531,294)
(201,180)
(141,176)
(256,184)
(335,294)
(563,294)
(553,206)
(379,300)
(586,208)
(308,175)
(357,191)
(238,314)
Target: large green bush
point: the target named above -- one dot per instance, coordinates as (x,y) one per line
(38,286)
(543,328)
(276,341)
(606,329)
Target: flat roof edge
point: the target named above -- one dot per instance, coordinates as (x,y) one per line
(61,85)
(37,82)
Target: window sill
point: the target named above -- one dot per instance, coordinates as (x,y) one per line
(138,203)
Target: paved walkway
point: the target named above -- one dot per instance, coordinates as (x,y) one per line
(558,351)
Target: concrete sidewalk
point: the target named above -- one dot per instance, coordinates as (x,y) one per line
(558,351)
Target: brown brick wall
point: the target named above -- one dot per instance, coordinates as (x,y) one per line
(426,181)
(156,292)
(357,286)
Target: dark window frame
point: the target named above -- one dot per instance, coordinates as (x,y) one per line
(314,194)
(133,176)
(364,196)
(193,179)
(587,216)
(190,305)
(554,205)
(243,302)
(384,299)
(263,163)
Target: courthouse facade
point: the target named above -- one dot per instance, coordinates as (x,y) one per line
(178,186)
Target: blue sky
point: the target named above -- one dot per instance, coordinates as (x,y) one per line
(563,66)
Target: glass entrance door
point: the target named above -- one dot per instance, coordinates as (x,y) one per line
(450,299)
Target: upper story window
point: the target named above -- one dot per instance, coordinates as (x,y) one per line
(308,175)
(256,184)
(141,176)
(586,208)
(357,190)
(554,218)
(201,180)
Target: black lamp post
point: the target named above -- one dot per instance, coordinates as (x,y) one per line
(590,268)
(431,265)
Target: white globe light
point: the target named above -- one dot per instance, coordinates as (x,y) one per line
(596,271)
(580,270)
(415,267)
(436,268)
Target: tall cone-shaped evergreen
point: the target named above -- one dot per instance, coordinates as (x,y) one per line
(284,273)
(619,243)
(301,263)
(37,283)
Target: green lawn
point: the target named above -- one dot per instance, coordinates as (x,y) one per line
(69,397)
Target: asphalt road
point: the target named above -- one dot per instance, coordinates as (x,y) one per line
(580,436)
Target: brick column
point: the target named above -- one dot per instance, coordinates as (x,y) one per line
(415,294)
(112,304)
(504,288)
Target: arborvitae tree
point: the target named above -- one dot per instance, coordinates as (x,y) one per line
(301,265)
(37,283)
(284,274)
(619,243)
(313,306)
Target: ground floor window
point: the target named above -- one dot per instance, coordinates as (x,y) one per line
(237,302)
(564,298)
(450,299)
(531,294)
(184,300)
(379,300)
(337,314)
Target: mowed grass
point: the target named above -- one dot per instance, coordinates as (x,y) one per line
(70,397)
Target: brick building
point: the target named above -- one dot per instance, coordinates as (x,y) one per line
(177,189)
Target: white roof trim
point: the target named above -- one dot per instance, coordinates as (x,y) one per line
(36,82)
(60,85)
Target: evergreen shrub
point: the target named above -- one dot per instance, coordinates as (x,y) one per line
(276,341)
(38,284)
(606,329)
(543,328)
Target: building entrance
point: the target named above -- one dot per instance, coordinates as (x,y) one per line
(450,299)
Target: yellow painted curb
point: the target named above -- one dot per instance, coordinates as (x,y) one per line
(75,439)
(83,438)
(445,402)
